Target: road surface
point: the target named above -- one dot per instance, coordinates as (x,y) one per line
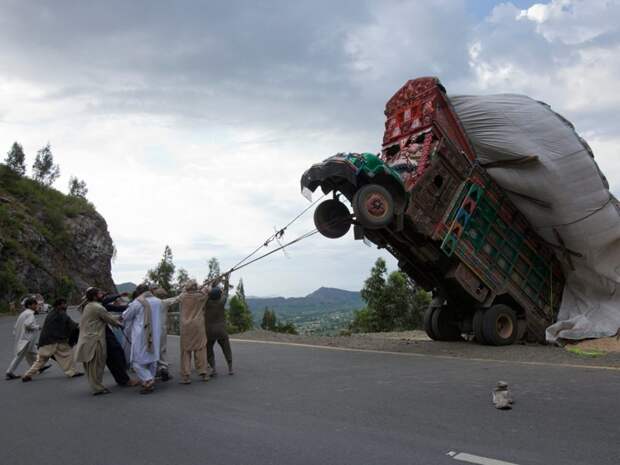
(299,405)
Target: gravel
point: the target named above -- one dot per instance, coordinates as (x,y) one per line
(418,343)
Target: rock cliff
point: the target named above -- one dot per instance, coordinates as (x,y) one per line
(50,243)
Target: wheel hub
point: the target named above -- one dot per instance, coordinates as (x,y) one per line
(504,326)
(376,205)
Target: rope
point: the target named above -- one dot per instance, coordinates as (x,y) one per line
(300,238)
(306,235)
(278,234)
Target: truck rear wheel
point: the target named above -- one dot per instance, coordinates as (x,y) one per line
(445,328)
(499,325)
(332,218)
(477,326)
(373,206)
(428,321)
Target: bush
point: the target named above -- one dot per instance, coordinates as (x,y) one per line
(270,323)
(395,303)
(11,287)
(239,316)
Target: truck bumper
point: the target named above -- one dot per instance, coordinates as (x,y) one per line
(330,175)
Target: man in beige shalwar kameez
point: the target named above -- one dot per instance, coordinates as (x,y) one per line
(91,345)
(193,335)
(26,336)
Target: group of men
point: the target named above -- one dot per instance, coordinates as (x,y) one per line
(126,336)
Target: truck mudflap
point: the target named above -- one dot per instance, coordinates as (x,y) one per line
(330,175)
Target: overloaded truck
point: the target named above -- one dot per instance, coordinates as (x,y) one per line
(428,201)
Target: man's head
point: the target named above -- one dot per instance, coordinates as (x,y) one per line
(159,292)
(31,303)
(94,294)
(141,289)
(60,305)
(191,285)
(215,293)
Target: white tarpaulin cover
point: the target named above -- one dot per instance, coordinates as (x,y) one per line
(580,207)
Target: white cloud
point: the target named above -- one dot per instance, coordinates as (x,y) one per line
(565,52)
(573,21)
(193,125)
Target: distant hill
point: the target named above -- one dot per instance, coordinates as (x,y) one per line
(324,311)
(126,287)
(323,300)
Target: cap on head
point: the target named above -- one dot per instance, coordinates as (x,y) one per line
(159,292)
(215,293)
(191,285)
(91,293)
(141,289)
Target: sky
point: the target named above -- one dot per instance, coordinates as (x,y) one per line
(192,121)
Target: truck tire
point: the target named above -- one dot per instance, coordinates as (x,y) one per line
(373,206)
(332,218)
(444,327)
(428,321)
(499,325)
(477,326)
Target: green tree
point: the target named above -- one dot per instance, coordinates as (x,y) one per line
(44,171)
(269,321)
(373,291)
(214,269)
(181,280)
(16,159)
(241,292)
(364,321)
(162,274)
(392,303)
(287,328)
(239,316)
(77,188)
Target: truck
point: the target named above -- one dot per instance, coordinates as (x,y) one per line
(429,202)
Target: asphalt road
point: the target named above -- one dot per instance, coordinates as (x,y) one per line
(303,405)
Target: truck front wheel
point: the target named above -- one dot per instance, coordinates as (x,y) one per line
(373,206)
(332,219)
(499,325)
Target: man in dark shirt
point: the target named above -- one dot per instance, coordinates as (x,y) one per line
(115,355)
(54,342)
(215,321)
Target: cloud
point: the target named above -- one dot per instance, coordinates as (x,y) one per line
(565,52)
(192,121)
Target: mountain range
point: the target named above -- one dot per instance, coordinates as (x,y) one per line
(126,287)
(323,300)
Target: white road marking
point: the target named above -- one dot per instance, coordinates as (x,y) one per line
(470,458)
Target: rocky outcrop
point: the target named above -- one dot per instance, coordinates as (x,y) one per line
(50,243)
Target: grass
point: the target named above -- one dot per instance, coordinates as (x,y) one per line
(586,353)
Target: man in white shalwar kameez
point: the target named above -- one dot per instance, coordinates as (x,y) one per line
(26,336)
(143,317)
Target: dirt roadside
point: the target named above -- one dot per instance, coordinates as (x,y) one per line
(416,342)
